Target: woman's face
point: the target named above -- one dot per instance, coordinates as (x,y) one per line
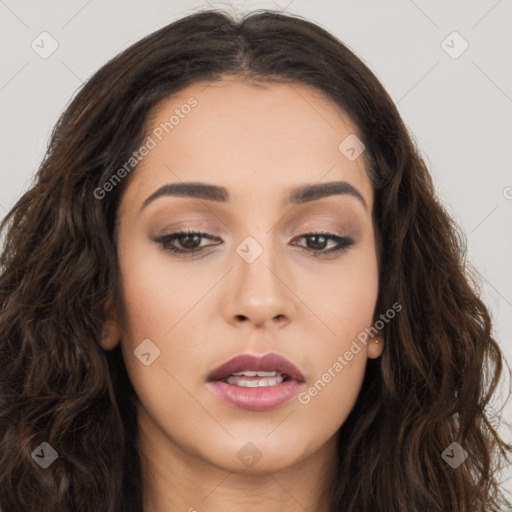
(254,285)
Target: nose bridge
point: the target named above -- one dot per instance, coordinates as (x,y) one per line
(256,256)
(258,292)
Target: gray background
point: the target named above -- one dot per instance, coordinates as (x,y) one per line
(459,110)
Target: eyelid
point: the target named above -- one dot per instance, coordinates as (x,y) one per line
(332,227)
(213,231)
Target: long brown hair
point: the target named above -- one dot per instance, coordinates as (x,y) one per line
(430,388)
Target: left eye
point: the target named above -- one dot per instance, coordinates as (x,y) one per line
(342,243)
(190,242)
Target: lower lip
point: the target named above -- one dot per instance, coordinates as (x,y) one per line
(262,398)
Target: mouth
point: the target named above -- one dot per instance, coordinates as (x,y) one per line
(256,383)
(249,368)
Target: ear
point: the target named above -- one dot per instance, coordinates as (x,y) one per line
(376,346)
(111,333)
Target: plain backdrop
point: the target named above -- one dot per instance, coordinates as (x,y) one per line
(446,65)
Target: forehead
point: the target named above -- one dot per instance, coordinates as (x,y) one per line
(258,140)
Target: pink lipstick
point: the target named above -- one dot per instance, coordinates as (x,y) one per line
(256,383)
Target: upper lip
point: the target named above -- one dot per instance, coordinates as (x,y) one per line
(267,363)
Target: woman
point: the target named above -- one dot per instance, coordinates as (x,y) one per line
(232,286)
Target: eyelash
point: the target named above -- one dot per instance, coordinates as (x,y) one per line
(344,243)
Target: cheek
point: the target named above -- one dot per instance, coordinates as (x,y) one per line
(333,392)
(343,298)
(156,302)
(346,307)
(158,307)
(156,294)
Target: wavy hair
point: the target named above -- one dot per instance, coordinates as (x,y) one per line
(431,386)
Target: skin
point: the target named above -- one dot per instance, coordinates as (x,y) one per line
(259,143)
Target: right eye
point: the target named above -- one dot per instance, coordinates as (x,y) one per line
(189,240)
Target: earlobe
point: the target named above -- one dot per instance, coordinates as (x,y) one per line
(111,332)
(376,346)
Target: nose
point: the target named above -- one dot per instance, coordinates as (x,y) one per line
(259,294)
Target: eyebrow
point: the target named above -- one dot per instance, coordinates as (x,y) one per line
(300,195)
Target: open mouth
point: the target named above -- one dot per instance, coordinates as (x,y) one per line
(256,383)
(253,379)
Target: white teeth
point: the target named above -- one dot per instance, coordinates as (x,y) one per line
(240,381)
(254,374)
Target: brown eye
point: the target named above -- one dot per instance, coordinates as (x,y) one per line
(183,242)
(317,242)
(189,241)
